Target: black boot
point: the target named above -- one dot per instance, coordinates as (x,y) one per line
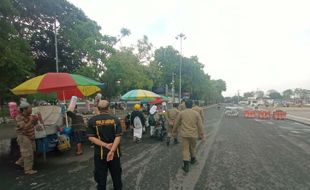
(176,141)
(193,160)
(168,141)
(186,166)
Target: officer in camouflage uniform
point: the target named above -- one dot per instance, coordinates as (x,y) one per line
(191,128)
(171,116)
(182,105)
(199,109)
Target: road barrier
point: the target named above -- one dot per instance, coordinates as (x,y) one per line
(262,114)
(279,115)
(249,114)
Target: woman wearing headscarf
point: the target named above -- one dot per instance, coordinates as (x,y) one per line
(138,121)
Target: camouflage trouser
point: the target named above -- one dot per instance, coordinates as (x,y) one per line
(27,147)
(189,148)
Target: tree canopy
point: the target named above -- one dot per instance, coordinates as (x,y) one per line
(28,30)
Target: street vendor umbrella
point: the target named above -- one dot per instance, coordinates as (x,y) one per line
(64,84)
(137,95)
(160,100)
(164,98)
(156,101)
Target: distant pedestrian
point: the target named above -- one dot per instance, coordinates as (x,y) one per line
(199,109)
(153,120)
(25,123)
(191,128)
(138,121)
(171,117)
(104,130)
(78,130)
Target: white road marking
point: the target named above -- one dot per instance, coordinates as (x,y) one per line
(297,117)
(270,122)
(298,123)
(297,132)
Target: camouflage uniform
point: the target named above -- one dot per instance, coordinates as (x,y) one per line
(182,106)
(191,126)
(171,117)
(201,112)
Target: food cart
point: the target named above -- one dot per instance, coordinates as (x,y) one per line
(47,139)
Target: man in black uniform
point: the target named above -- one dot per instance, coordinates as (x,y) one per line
(105,132)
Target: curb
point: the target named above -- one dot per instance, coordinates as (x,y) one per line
(297,121)
(210,106)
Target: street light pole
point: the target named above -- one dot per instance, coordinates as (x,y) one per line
(56,50)
(172,90)
(180,36)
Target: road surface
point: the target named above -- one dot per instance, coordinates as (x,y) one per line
(237,153)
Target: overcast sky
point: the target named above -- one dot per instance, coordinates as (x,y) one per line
(251,44)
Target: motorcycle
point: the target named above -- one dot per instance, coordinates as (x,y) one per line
(160,130)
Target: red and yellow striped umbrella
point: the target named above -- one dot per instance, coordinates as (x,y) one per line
(64,84)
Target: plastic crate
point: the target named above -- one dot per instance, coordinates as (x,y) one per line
(46,144)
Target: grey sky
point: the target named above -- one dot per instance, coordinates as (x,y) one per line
(250,44)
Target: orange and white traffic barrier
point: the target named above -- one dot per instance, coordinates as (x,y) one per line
(279,115)
(249,114)
(264,114)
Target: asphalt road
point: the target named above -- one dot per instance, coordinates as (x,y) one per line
(237,153)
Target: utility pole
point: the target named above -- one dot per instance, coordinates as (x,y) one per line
(238,96)
(56,49)
(180,36)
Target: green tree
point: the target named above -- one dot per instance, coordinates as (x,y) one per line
(124,73)
(124,32)
(89,71)
(218,86)
(144,48)
(154,72)
(193,77)
(248,94)
(79,38)
(259,94)
(167,62)
(194,81)
(273,94)
(287,94)
(27,38)
(16,63)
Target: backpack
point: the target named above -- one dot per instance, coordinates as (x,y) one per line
(152,120)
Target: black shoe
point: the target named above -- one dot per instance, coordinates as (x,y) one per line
(138,140)
(193,160)
(176,141)
(168,143)
(186,166)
